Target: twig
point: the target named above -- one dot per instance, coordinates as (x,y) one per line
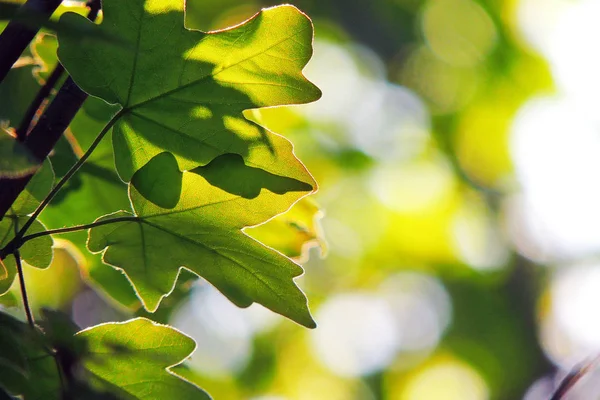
(45,134)
(17,241)
(17,35)
(45,91)
(26,305)
(24,296)
(572,378)
(67,176)
(77,228)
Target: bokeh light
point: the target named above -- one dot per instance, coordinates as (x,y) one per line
(352,346)
(460,32)
(456,147)
(445,379)
(421,310)
(571,334)
(222,331)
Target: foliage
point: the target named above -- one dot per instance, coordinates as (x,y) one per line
(197,172)
(455,146)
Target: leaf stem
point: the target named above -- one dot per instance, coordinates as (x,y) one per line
(67,176)
(77,228)
(26,305)
(572,378)
(24,296)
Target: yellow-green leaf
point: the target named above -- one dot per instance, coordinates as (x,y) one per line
(203,234)
(184,91)
(134,359)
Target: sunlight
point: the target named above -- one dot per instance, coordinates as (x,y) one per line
(460,32)
(448,380)
(555,149)
(575,299)
(421,309)
(572,56)
(352,346)
(222,331)
(414,188)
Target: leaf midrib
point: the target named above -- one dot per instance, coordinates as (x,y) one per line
(236,262)
(135,57)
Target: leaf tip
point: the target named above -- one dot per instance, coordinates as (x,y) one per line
(311,324)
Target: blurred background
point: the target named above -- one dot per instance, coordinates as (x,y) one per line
(456,255)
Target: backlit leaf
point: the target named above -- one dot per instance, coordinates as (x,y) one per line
(94,191)
(293,232)
(184,91)
(203,234)
(36,252)
(26,367)
(133,359)
(15,159)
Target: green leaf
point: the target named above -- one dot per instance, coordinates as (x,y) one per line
(15,159)
(13,360)
(42,284)
(17,91)
(37,189)
(26,367)
(134,359)
(184,91)
(203,234)
(36,252)
(43,49)
(131,360)
(160,180)
(293,232)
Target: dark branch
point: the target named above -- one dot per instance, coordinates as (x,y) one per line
(51,125)
(35,105)
(572,378)
(18,34)
(44,136)
(46,89)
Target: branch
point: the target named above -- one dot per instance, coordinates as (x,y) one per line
(18,241)
(26,305)
(572,378)
(51,125)
(44,136)
(77,228)
(18,34)
(36,104)
(45,91)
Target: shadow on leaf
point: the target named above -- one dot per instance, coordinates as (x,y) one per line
(230,173)
(160,180)
(191,89)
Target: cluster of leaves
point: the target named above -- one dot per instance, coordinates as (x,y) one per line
(169,106)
